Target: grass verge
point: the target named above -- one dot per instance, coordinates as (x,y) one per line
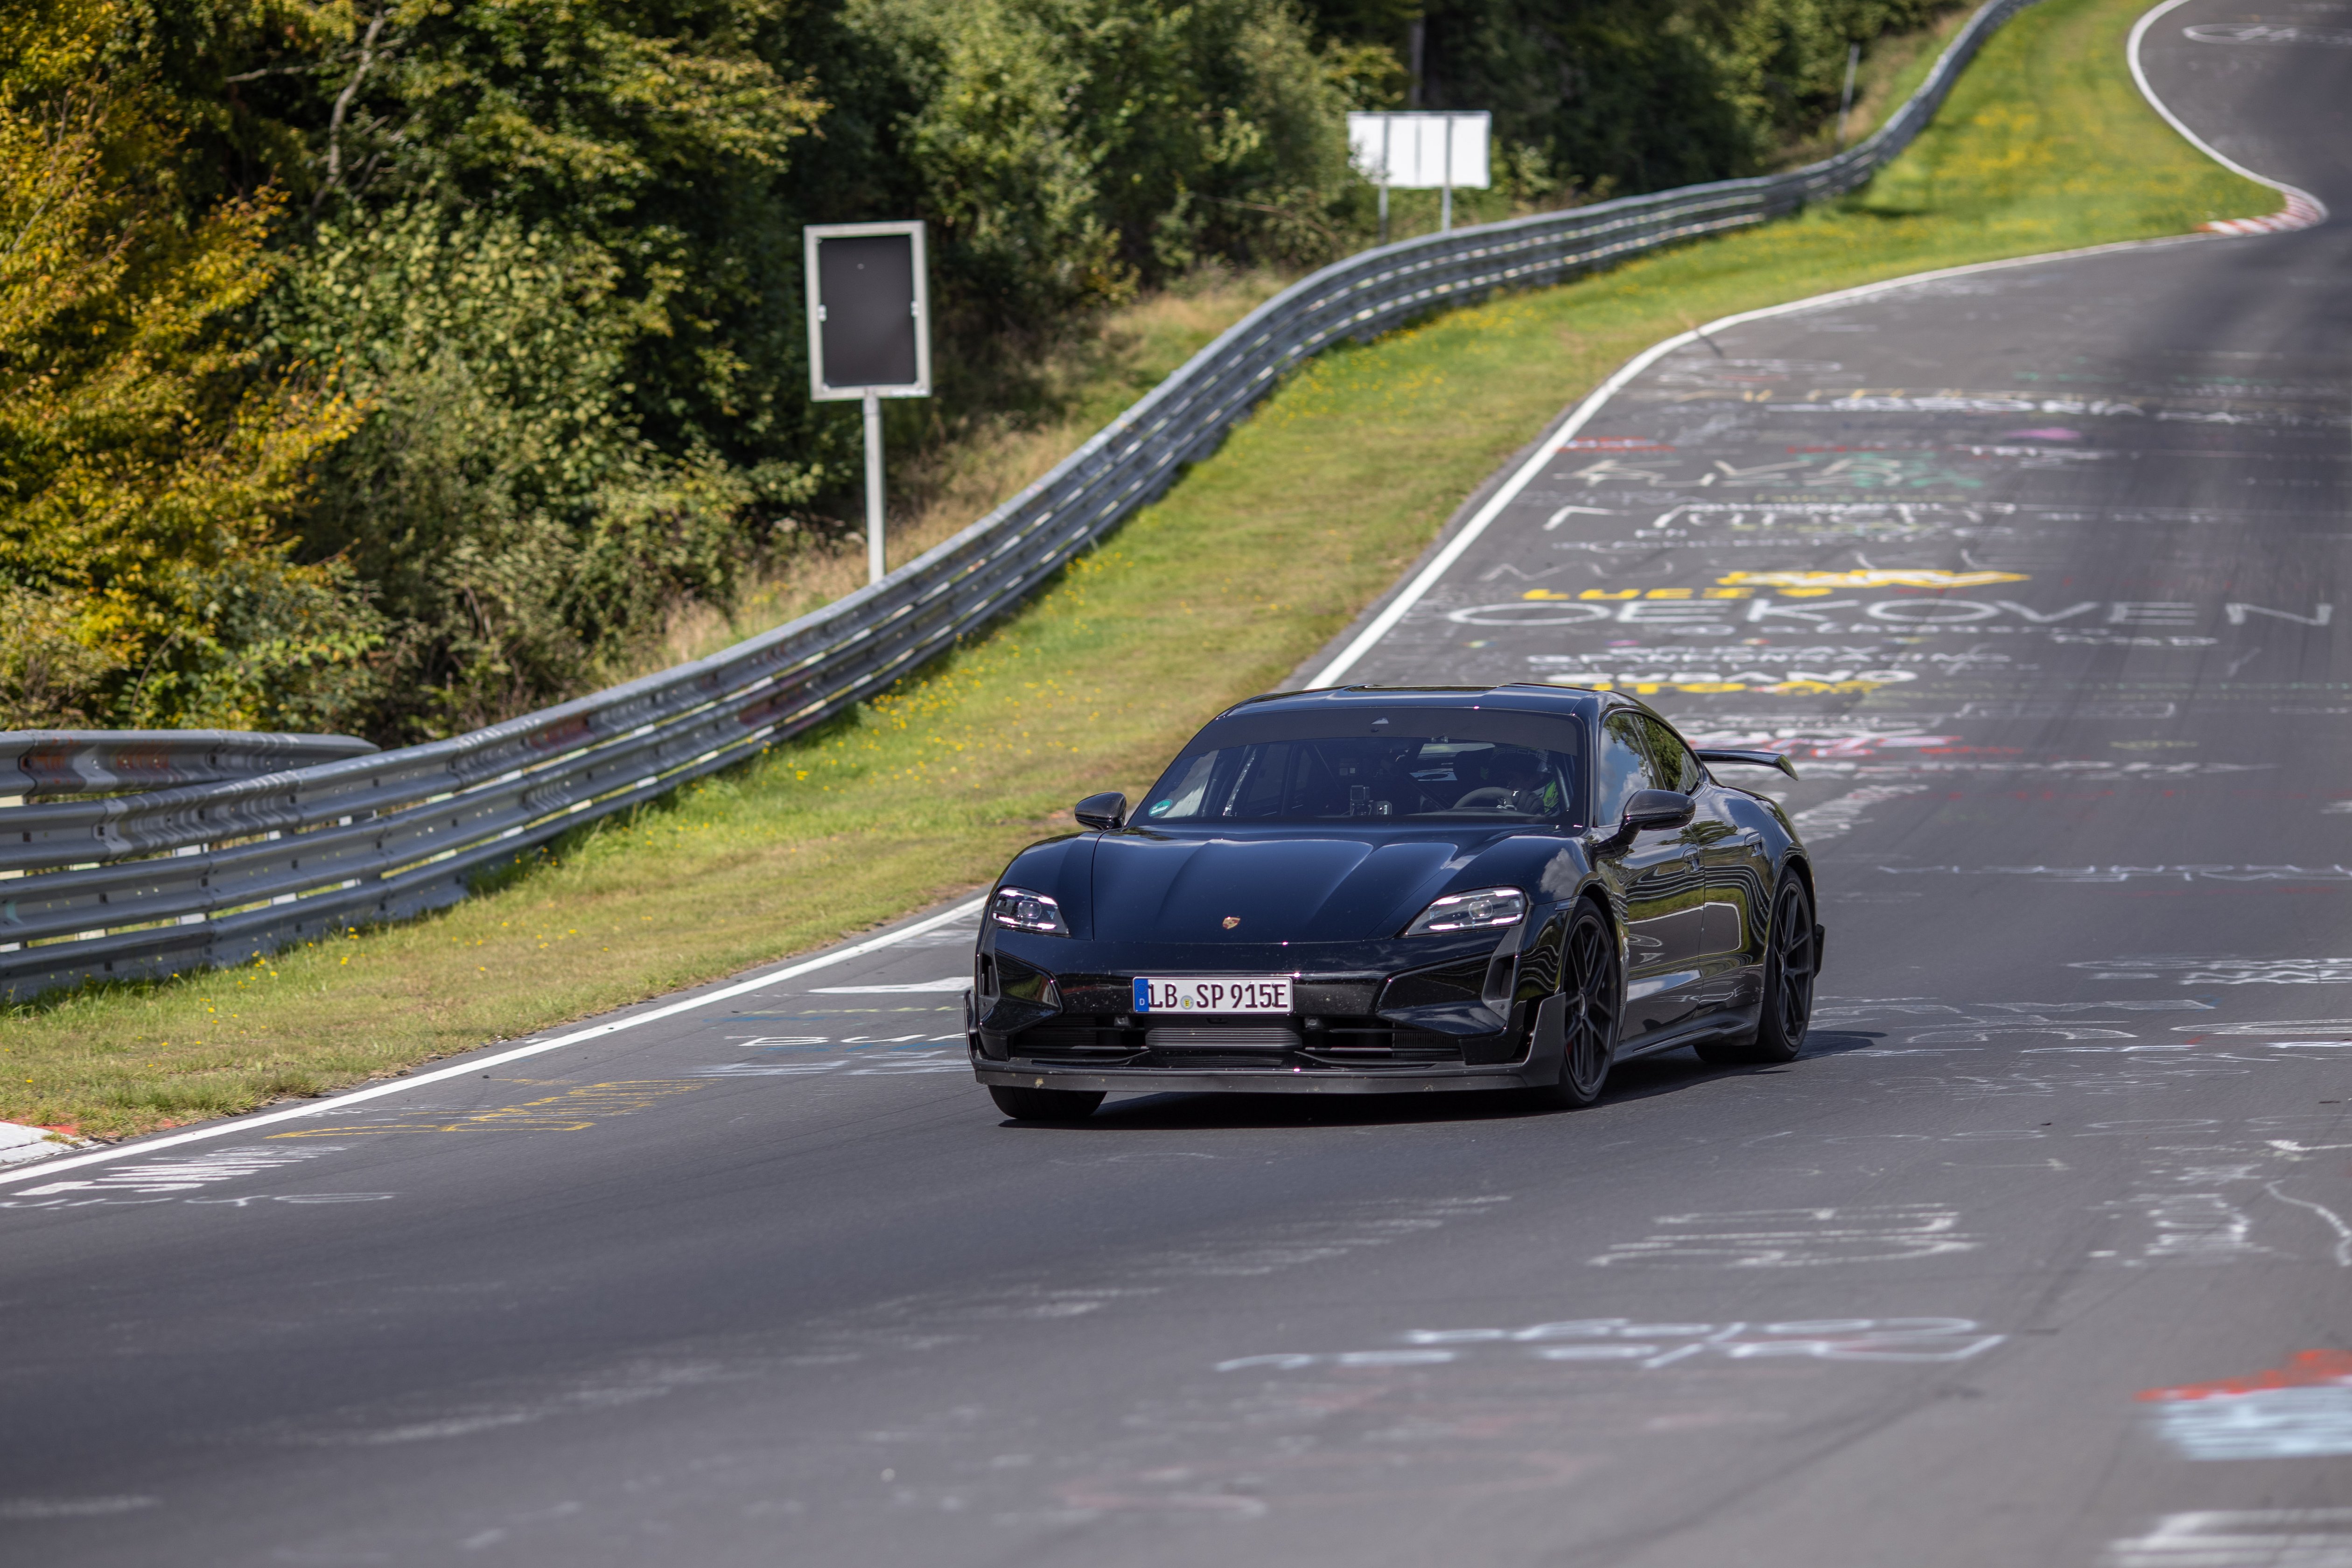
(1260,555)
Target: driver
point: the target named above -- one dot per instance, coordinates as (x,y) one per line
(1516,782)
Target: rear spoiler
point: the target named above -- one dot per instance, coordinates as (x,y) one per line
(1751,759)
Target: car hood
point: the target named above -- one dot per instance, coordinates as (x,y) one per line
(1327,886)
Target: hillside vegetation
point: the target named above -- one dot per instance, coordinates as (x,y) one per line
(1253,561)
(401,365)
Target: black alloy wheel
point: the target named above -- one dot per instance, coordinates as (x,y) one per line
(1791,962)
(1596,1006)
(1045,1104)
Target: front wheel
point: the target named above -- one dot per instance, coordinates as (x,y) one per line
(1045,1104)
(1791,960)
(1595,1006)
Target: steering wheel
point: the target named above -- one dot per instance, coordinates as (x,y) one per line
(1493,795)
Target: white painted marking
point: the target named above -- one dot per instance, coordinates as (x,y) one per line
(474,1065)
(1788,1239)
(1649,1346)
(2202,1227)
(2263,1538)
(2334,1221)
(1843,814)
(178,1175)
(2266,1423)
(950,982)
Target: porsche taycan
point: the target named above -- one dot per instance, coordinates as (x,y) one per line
(1382,890)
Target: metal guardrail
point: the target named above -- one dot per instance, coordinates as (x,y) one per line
(217,869)
(42,763)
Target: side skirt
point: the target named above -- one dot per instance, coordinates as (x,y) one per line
(1719,1026)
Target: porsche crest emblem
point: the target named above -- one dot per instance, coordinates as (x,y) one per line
(1232,920)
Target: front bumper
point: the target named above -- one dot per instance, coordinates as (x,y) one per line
(1388,1018)
(1265,1081)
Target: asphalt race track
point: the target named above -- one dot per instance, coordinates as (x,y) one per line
(2042,1255)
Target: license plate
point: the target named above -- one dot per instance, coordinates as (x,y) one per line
(1220,994)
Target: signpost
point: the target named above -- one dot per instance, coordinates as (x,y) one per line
(869,334)
(1416,150)
(1846,99)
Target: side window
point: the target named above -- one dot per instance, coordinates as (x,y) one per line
(1620,770)
(1675,760)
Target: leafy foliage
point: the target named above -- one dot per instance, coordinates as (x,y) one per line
(1634,95)
(147,465)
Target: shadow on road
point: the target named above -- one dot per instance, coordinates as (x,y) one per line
(1651,1076)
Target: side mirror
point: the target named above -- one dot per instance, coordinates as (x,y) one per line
(1654,808)
(1109,810)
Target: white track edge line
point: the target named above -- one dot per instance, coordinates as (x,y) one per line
(2139,79)
(40,1168)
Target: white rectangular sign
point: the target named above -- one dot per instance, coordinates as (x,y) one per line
(1413,152)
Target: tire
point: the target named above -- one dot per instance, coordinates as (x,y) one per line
(1045,1104)
(1593,982)
(1791,962)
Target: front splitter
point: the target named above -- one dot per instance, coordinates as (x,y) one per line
(1246,1081)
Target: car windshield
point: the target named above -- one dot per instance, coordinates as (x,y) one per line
(1329,778)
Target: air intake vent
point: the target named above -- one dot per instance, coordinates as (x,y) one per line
(1221,1040)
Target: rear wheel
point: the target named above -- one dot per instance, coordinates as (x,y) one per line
(1045,1104)
(1791,960)
(1590,980)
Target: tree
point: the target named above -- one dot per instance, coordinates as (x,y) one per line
(148,464)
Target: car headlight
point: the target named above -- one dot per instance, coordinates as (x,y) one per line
(1017,908)
(1471,911)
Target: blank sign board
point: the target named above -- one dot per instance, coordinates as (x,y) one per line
(868,311)
(1411,151)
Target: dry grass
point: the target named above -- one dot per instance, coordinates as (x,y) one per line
(1256,558)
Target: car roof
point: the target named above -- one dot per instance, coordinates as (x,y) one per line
(1526,696)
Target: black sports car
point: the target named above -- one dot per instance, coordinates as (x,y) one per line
(1385,890)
